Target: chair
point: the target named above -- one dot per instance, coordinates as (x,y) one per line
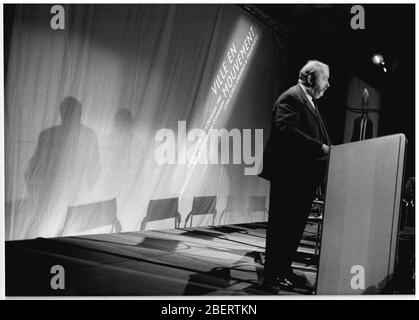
(162,209)
(257,204)
(91,218)
(202,206)
(234,204)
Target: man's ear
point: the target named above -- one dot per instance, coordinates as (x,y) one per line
(310,79)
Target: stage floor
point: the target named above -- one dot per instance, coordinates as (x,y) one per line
(220,261)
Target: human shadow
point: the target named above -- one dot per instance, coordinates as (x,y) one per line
(65,167)
(117,177)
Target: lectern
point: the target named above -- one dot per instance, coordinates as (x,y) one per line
(363,201)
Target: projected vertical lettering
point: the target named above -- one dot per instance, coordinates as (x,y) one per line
(224,86)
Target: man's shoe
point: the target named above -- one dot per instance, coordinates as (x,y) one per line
(298,280)
(270,287)
(279,282)
(285,283)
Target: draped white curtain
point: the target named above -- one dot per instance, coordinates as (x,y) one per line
(83,106)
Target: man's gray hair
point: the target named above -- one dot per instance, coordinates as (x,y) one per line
(310,68)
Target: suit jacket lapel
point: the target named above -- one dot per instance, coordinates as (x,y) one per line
(307,103)
(315,113)
(323,127)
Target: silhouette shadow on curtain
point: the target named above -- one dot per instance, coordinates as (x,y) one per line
(116,158)
(162,209)
(204,207)
(65,166)
(81,219)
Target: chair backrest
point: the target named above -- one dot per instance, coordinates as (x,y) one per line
(161,209)
(234,203)
(204,205)
(89,216)
(257,203)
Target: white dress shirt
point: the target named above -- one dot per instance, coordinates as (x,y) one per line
(310,98)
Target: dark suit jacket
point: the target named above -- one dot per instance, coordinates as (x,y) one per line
(294,147)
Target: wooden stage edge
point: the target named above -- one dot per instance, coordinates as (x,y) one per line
(200,261)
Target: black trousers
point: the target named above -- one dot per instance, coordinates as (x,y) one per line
(290,203)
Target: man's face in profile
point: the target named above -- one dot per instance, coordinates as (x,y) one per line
(321,83)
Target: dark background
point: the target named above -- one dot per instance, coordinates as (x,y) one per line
(323,32)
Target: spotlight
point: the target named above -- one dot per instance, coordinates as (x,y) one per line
(378,59)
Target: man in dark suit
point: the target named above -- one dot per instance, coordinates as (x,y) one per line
(295,162)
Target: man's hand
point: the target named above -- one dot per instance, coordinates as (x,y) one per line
(325,149)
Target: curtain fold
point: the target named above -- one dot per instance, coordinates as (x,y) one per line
(84,105)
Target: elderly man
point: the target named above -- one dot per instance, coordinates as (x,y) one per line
(295,162)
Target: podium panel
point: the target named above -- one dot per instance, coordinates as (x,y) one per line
(361,216)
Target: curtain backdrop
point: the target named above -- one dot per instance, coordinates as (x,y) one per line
(84,109)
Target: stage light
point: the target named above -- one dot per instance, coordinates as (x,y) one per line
(378,59)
